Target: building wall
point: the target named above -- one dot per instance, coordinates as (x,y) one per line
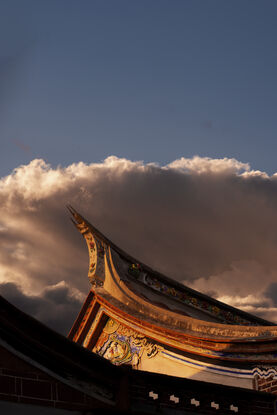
(265,385)
(174,365)
(20,382)
(25,389)
(25,409)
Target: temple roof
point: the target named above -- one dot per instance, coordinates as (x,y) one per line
(155,287)
(166,312)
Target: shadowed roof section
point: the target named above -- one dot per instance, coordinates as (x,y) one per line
(51,352)
(50,349)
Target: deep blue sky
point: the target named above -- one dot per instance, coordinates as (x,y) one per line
(152,80)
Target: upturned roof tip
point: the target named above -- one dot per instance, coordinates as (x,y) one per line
(71,209)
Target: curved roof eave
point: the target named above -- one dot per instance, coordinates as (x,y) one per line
(237,316)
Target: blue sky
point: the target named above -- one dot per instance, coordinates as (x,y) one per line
(145,80)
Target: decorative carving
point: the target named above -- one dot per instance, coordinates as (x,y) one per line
(96,282)
(224,315)
(96,250)
(134,270)
(122,345)
(81,225)
(265,372)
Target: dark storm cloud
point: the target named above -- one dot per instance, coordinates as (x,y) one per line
(56,306)
(271,292)
(211,223)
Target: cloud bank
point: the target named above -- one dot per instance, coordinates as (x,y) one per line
(210,223)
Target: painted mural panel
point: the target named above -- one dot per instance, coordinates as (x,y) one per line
(122,345)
